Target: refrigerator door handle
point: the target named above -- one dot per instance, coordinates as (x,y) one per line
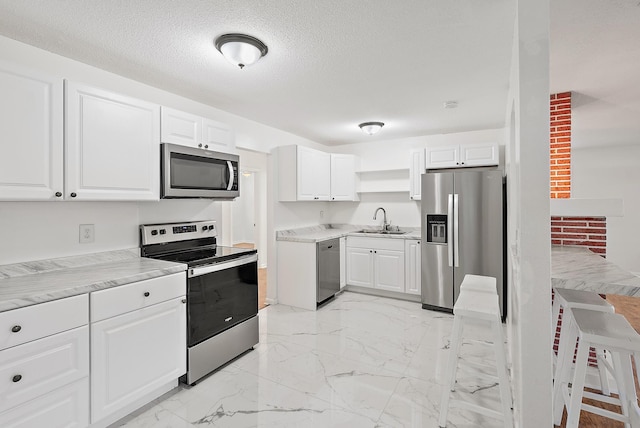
(450,209)
(456,233)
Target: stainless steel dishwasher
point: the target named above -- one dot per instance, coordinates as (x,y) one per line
(328,269)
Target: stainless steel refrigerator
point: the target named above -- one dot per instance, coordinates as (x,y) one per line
(463,231)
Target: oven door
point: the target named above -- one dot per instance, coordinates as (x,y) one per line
(195,173)
(220,296)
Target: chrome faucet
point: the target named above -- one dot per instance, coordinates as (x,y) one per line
(384,223)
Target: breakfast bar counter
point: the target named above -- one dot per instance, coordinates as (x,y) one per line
(580,269)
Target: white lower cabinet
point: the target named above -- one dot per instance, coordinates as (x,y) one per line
(66,407)
(376,263)
(134,354)
(412,253)
(44,365)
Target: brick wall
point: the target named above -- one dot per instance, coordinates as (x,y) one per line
(590,232)
(560,144)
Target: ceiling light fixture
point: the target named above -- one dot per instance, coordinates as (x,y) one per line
(450,104)
(240,49)
(371,127)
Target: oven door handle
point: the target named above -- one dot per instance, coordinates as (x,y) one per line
(198,271)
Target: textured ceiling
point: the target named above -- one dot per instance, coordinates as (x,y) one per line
(335,63)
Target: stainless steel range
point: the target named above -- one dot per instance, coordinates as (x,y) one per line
(222,291)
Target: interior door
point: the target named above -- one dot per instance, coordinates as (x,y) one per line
(478,234)
(437,254)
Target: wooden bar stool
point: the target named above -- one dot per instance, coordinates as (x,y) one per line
(601,330)
(479,283)
(568,299)
(475,307)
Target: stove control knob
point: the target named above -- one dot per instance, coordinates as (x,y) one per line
(204,228)
(154,232)
(211,227)
(163,232)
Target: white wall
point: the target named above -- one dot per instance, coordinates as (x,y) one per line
(528,228)
(612,172)
(51,228)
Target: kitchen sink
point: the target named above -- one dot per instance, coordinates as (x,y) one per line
(383,232)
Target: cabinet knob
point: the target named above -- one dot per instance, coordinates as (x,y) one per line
(16,378)
(58,194)
(147,294)
(418,242)
(462,163)
(457,163)
(371,251)
(73,194)
(184,300)
(200,145)
(333,199)
(16,328)
(375,252)
(206,146)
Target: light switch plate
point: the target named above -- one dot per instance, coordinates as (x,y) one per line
(87,233)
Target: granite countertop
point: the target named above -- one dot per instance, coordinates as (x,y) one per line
(30,283)
(580,269)
(324,232)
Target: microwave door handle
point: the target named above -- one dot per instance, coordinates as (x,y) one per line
(230,168)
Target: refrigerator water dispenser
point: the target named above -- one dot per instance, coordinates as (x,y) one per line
(437,228)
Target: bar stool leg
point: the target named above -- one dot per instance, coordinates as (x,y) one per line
(574,405)
(454,345)
(555,309)
(623,373)
(503,377)
(568,337)
(604,380)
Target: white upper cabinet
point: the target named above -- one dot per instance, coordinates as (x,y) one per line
(343,177)
(466,155)
(479,155)
(416,169)
(112,146)
(304,174)
(179,127)
(31,135)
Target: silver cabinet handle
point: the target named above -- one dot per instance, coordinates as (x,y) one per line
(16,328)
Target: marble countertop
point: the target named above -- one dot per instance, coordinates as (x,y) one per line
(580,269)
(324,232)
(29,283)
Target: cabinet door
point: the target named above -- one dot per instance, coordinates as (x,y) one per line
(66,407)
(113,148)
(343,177)
(41,366)
(313,174)
(360,267)
(412,262)
(178,127)
(217,136)
(416,169)
(135,353)
(479,155)
(442,157)
(388,267)
(31,139)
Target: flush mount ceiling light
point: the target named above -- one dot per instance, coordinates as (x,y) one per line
(371,127)
(240,49)
(450,104)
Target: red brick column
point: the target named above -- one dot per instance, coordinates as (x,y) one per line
(560,144)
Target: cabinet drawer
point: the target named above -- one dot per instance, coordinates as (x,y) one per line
(66,407)
(119,300)
(36,368)
(34,322)
(376,243)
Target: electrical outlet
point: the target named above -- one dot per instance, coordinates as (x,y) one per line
(87,234)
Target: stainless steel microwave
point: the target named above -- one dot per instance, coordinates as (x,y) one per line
(188,172)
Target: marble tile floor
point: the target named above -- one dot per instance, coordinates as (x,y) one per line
(358,361)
